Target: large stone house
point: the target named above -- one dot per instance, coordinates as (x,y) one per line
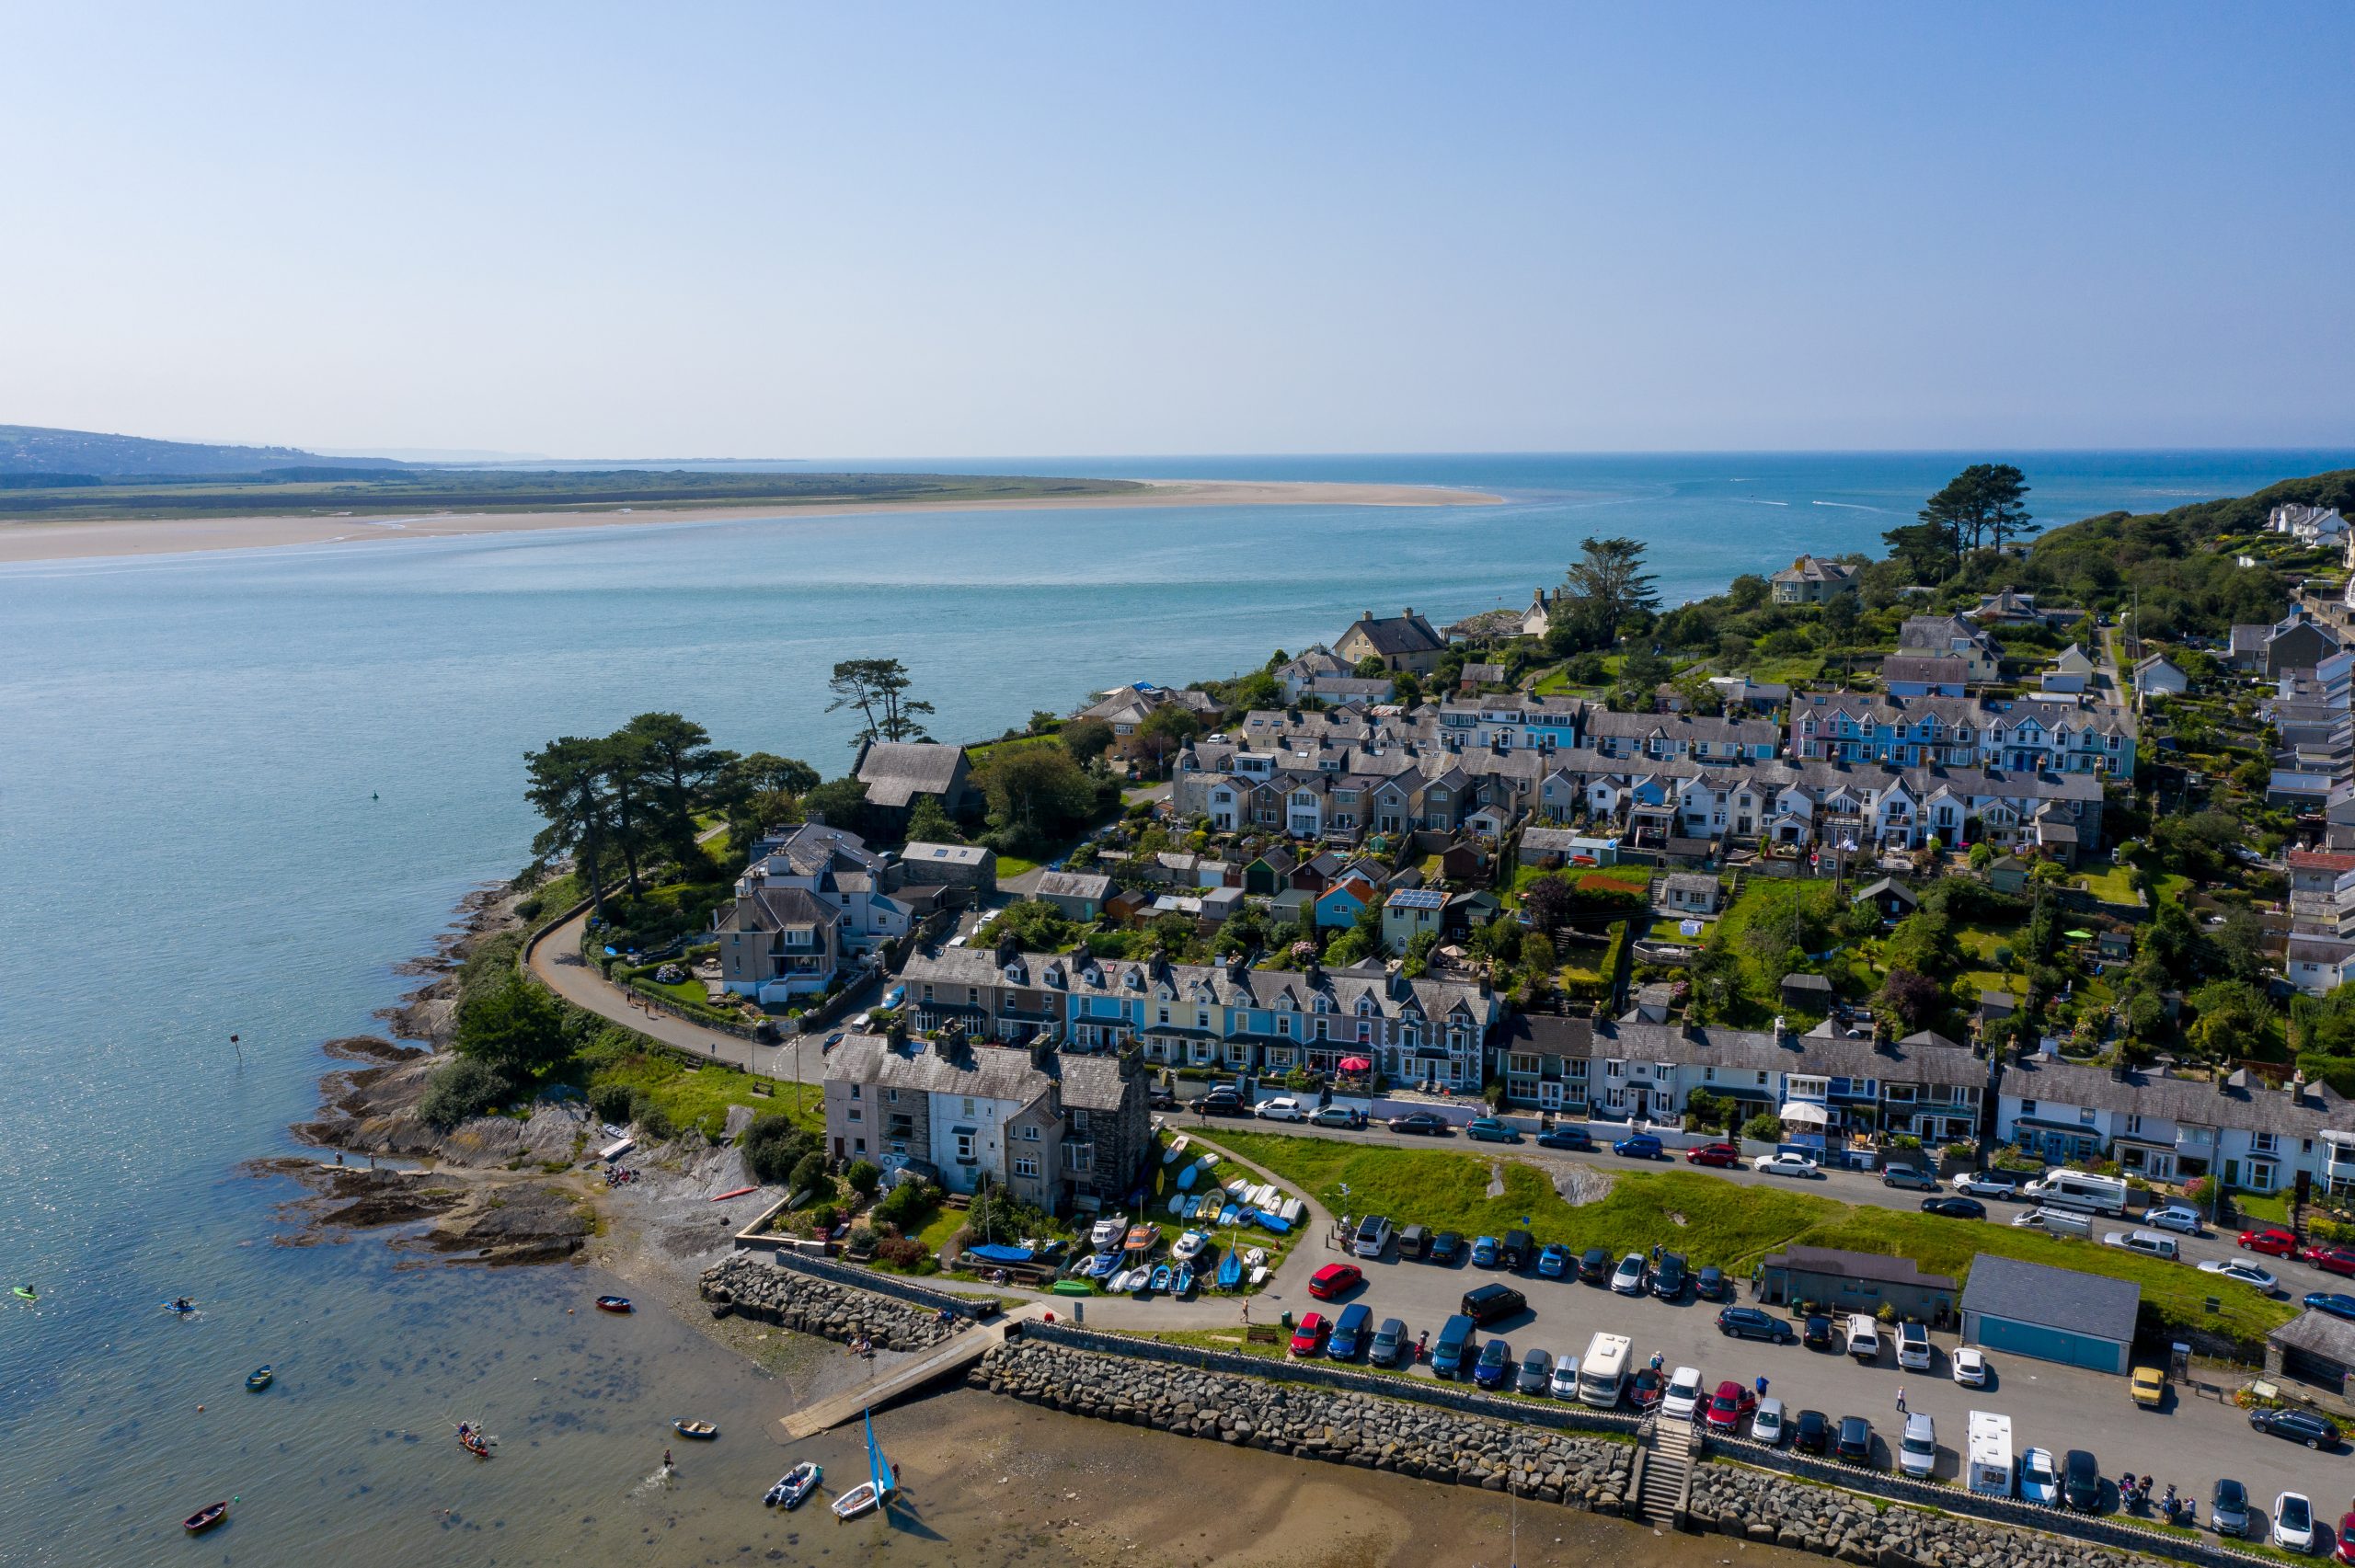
(1405,641)
(836,867)
(1811,581)
(898,773)
(779,943)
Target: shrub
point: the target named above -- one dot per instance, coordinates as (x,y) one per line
(907,1206)
(774,1146)
(863,1177)
(462,1089)
(611,1102)
(1764,1128)
(903,1252)
(652,1120)
(809,1173)
(823,1216)
(516,1028)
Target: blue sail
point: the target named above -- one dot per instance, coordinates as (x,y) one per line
(878,1469)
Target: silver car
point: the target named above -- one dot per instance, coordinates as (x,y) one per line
(1629,1277)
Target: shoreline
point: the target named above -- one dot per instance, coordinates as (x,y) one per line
(32,542)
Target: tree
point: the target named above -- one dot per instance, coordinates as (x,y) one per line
(877,688)
(1912,997)
(460,1089)
(2240,942)
(842,802)
(1979,508)
(515,1029)
(629,780)
(1609,582)
(863,1177)
(1163,732)
(929,823)
(1546,902)
(685,769)
(764,773)
(568,789)
(1764,1128)
(2233,1016)
(1088,739)
(1035,793)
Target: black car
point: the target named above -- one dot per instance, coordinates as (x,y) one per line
(1668,1276)
(1817,1334)
(1484,1304)
(1447,1247)
(1566,1137)
(1955,1208)
(1421,1122)
(1159,1099)
(2081,1481)
(1517,1251)
(1219,1103)
(1855,1443)
(1710,1282)
(1595,1266)
(1749,1323)
(2315,1431)
(1811,1433)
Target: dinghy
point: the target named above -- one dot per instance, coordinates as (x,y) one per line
(1176,1149)
(258,1378)
(701,1431)
(1230,1272)
(1254,1258)
(204,1519)
(1072,1288)
(1275,1223)
(876,1490)
(1186,1177)
(1161,1277)
(1229,1215)
(613,1304)
(1291,1210)
(794,1486)
(1184,1283)
(1259,1275)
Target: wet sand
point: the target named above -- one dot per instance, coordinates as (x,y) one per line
(84,539)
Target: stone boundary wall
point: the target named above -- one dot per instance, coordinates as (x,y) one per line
(794,1297)
(852,1277)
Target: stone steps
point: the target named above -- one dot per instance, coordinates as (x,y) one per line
(1668,1459)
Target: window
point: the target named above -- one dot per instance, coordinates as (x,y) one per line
(1030,1133)
(892,1095)
(2085,1115)
(969,1105)
(1026,1165)
(2028,1107)
(855,1114)
(1615,1070)
(854,1091)
(964,1146)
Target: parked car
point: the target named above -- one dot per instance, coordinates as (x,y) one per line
(1219,1103)
(2228,1508)
(1566,1378)
(1864,1338)
(2149,1387)
(2312,1428)
(2345,1551)
(1337,1116)
(1335,1279)
(1415,1242)
(1784,1165)
(2150,1243)
(1282,1108)
(1494,1369)
(2040,1478)
(2244,1273)
(2337,1304)
(1955,1208)
(1811,1432)
(1517,1251)
(2331,1260)
(1159,1099)
(1684,1395)
(2293,1522)
(1752,1323)
(1854,1442)
(1709,1285)
(1308,1334)
(1456,1343)
(1488,1130)
(1917,1448)
(1644,1385)
(1486,1303)
(1627,1280)
(1575,1139)
(1554,1261)
(1643,1146)
(1911,1177)
(1969,1368)
(1989,1183)
(2271,1240)
(1536,1372)
(1447,1248)
(1390,1342)
(1667,1277)
(1484,1253)
(1816,1332)
(1720,1155)
(1766,1423)
(2081,1481)
(2174,1217)
(1594,1265)
(1421,1122)
(1373,1237)
(1730,1406)
(1348,1332)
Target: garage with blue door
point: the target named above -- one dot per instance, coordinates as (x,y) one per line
(2052,1314)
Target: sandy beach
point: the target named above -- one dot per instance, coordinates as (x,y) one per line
(87,538)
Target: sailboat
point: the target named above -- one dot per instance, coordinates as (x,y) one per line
(875,1490)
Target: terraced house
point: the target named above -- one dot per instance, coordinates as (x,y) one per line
(2017,736)
(2238,1128)
(1224,1016)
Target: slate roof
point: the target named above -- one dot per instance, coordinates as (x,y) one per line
(1930,669)
(1844,1264)
(1074,884)
(2244,1101)
(1400,633)
(2053,1297)
(896,771)
(775,908)
(1091,1082)
(1886,884)
(2318,1333)
(1545,1034)
(984,1072)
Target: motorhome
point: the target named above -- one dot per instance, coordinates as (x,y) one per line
(2080,1190)
(1603,1370)
(1987,1462)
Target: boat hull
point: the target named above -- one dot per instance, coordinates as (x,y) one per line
(794,1487)
(206,1519)
(860,1499)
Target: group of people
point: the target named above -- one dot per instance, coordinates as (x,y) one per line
(618,1176)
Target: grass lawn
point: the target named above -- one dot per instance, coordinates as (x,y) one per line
(945,1222)
(2110,884)
(1790,670)
(700,1096)
(1015,866)
(1715,1221)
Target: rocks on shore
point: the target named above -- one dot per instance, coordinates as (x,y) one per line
(1781,1511)
(1317,1424)
(759,1288)
(502,1222)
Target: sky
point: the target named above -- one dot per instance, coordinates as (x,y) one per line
(783,230)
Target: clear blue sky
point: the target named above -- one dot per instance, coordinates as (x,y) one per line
(836,232)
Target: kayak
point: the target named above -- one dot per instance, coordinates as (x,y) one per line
(1072,1288)
(27,1293)
(176,1307)
(612,1303)
(794,1486)
(740,1192)
(204,1519)
(258,1378)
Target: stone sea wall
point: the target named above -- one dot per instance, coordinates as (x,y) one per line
(756,1288)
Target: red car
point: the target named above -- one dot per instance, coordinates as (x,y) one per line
(2331,1260)
(1335,1279)
(1310,1334)
(1728,1405)
(1724,1155)
(1643,1389)
(2273,1241)
(2346,1549)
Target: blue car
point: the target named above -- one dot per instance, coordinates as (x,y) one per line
(1643,1146)
(2331,1301)
(1488,1129)
(1554,1261)
(1348,1332)
(1494,1369)
(1484,1253)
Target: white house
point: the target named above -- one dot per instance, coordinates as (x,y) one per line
(2238,1129)
(837,869)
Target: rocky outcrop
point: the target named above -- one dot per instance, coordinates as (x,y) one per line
(1781,1511)
(1314,1424)
(755,1287)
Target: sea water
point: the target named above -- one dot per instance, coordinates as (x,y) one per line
(237,789)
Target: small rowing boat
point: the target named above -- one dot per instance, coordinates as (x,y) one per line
(738,1192)
(1170,1154)
(1161,1277)
(258,1378)
(613,1304)
(204,1519)
(794,1486)
(702,1430)
(1184,1282)
(474,1443)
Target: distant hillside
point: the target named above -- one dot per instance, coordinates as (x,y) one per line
(69,455)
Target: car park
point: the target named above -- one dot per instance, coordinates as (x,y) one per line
(1554,1261)
(1337,1115)
(1784,1165)
(1682,1396)
(2081,1481)
(1415,1242)
(1484,1252)
(1488,1129)
(1335,1279)
(2241,1273)
(1627,1280)
(1566,1378)
(2293,1522)
(2174,1217)
(1282,1108)
(1988,1184)
(1911,1177)
(2039,1478)
(1574,1139)
(1854,1442)
(2271,1240)
(1917,1448)
(1709,1285)
(1421,1122)
(1811,1432)
(1969,1368)
(1447,1247)
(1668,1276)
(2149,1387)
(1816,1332)
(1594,1265)
(1348,1332)
(2299,1425)
(2228,1508)
(1753,1322)
(2331,1260)
(1536,1372)
(1718,1156)
(1487,1303)
(1766,1423)
(1645,1386)
(1494,1369)
(1955,1208)
(1308,1334)
(1643,1146)
(1373,1237)
(1390,1342)
(2337,1303)
(1730,1406)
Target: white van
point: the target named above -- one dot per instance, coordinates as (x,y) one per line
(1913,1346)
(2059,1222)
(1864,1338)
(2082,1190)
(2151,1243)
(1987,1467)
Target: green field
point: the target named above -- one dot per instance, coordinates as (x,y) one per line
(1712,1220)
(700,1096)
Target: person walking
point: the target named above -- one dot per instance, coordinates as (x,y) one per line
(1901,1402)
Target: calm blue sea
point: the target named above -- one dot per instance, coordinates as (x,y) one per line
(237,789)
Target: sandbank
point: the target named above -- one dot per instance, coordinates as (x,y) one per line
(31,540)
